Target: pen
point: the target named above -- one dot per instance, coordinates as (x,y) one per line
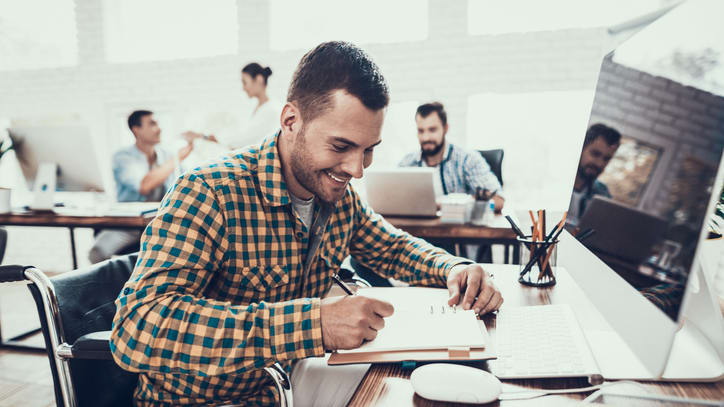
(515,227)
(341,283)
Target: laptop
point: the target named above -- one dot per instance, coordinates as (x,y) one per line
(623,231)
(406,191)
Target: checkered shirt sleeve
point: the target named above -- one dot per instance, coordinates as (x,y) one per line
(390,251)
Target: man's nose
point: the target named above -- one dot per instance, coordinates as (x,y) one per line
(353,165)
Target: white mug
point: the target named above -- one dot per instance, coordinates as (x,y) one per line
(4,200)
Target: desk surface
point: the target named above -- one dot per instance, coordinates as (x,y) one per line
(493,227)
(389,385)
(67,220)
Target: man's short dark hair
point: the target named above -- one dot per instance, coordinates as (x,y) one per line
(609,134)
(428,108)
(335,66)
(134,120)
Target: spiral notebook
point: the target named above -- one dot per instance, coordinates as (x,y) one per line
(423,327)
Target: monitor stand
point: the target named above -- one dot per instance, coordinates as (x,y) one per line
(697,353)
(44,187)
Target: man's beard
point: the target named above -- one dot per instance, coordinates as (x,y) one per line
(307,177)
(430,153)
(587,177)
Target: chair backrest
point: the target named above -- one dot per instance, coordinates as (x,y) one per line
(495,161)
(86,304)
(3,243)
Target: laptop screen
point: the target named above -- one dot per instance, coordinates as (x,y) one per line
(648,164)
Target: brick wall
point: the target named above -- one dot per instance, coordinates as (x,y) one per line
(683,121)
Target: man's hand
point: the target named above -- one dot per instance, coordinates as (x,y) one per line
(498,201)
(466,282)
(185,151)
(350,320)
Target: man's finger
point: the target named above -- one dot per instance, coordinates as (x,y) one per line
(370,334)
(484,298)
(454,290)
(472,290)
(377,322)
(495,301)
(382,308)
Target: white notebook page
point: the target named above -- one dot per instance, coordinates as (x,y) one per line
(422,320)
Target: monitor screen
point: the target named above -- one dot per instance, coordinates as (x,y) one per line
(650,156)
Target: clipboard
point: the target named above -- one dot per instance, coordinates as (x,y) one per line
(432,355)
(423,328)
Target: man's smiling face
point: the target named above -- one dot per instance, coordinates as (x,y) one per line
(336,146)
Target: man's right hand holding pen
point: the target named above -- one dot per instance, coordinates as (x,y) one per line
(350,320)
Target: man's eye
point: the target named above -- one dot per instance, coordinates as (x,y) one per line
(338,148)
(369,151)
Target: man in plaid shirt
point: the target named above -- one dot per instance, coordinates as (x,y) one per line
(233,269)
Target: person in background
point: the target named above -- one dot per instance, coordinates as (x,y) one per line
(599,147)
(264,119)
(143,172)
(458,170)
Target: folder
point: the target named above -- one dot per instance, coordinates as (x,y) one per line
(422,328)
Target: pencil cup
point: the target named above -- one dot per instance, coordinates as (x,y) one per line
(537,260)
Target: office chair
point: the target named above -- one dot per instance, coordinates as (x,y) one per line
(3,243)
(76,310)
(495,161)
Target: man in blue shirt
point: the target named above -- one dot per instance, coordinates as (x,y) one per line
(143,173)
(458,170)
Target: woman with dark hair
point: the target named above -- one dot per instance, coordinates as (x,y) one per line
(264,119)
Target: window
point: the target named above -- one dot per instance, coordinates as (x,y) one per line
(630,170)
(138,30)
(303,25)
(487,17)
(541,133)
(37,34)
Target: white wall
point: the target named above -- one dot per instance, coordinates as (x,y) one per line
(450,65)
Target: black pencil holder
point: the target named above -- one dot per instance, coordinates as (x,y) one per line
(537,262)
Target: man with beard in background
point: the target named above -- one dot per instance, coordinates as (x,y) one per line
(458,170)
(599,147)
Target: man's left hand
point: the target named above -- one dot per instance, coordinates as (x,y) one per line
(472,288)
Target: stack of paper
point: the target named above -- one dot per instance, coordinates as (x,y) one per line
(456,208)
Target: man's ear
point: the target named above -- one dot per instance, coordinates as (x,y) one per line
(445,129)
(291,120)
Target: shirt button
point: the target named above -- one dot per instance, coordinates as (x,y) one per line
(300,235)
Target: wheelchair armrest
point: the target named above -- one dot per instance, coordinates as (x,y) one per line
(12,272)
(92,346)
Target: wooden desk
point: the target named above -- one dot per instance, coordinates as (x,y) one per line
(72,221)
(493,229)
(389,385)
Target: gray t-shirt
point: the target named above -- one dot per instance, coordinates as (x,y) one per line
(303,208)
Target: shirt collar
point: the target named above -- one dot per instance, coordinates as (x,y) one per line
(271,179)
(447,148)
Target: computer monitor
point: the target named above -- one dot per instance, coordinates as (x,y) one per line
(70,148)
(652,159)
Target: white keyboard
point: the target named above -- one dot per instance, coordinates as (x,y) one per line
(540,341)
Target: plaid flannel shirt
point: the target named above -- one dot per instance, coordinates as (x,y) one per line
(219,290)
